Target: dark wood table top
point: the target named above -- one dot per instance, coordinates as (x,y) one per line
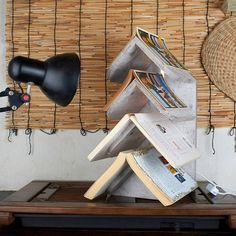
(50,197)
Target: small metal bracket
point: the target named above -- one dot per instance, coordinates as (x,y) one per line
(15,99)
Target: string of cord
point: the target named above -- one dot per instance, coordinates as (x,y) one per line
(232,131)
(183,26)
(29,25)
(13,45)
(105,130)
(28,130)
(12,34)
(131,16)
(54,130)
(207,17)
(12,130)
(83,131)
(157,17)
(211,127)
(20,87)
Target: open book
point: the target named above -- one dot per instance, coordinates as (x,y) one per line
(138,89)
(164,182)
(140,130)
(147,52)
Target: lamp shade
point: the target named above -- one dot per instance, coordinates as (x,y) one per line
(57,77)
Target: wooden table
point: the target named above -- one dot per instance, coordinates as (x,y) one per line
(47,204)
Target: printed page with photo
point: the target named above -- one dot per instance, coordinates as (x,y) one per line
(157,86)
(159,47)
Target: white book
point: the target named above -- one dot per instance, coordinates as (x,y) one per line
(140,130)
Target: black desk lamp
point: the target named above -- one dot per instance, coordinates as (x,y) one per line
(57,77)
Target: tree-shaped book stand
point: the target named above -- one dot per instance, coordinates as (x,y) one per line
(156,101)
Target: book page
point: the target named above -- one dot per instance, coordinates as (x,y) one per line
(119,180)
(136,95)
(129,101)
(156,85)
(158,46)
(173,182)
(123,136)
(107,178)
(121,89)
(166,138)
(129,58)
(134,187)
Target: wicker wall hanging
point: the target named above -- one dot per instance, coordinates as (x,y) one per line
(219,60)
(219,57)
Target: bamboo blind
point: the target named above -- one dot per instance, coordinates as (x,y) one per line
(118,20)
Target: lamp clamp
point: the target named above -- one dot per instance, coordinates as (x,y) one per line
(15,99)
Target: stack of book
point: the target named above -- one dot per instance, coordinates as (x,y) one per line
(155,137)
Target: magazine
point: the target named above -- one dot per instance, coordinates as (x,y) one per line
(156,84)
(140,88)
(148,52)
(159,47)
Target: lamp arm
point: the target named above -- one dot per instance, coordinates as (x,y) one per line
(15,99)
